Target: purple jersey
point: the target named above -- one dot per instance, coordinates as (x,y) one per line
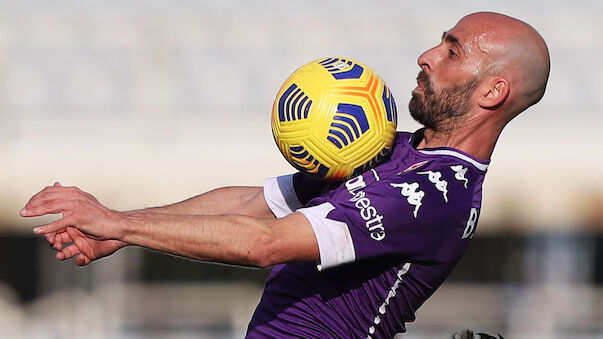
(387,240)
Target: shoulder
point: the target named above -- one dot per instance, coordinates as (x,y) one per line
(432,192)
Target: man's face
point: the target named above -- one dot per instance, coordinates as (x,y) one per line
(450,73)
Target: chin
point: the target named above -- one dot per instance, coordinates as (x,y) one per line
(418,91)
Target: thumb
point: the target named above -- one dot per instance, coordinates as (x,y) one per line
(53,226)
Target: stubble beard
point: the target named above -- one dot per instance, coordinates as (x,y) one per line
(442,111)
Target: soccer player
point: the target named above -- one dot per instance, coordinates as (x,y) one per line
(357,259)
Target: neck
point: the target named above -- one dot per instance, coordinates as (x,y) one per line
(476,138)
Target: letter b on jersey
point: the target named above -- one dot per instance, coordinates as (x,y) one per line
(471,223)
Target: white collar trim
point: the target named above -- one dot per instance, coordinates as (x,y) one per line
(461,156)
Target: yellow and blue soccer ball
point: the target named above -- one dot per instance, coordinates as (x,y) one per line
(334,118)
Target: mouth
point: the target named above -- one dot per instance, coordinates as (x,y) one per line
(420,86)
(421,81)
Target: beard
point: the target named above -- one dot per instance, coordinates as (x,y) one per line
(444,110)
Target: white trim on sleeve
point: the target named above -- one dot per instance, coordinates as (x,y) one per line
(334,240)
(280,196)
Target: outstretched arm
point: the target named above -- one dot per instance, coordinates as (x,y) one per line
(230,238)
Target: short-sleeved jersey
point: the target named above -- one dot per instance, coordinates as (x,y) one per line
(387,240)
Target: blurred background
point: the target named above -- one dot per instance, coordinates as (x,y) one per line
(143,103)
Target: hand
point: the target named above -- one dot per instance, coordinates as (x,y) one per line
(79,209)
(84,248)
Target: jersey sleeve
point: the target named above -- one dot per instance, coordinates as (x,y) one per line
(415,216)
(280,196)
(286,194)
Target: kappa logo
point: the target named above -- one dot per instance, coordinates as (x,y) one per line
(459,173)
(415,166)
(413,196)
(441,185)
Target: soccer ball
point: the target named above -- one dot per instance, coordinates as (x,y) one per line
(334,118)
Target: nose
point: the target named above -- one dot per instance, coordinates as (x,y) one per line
(425,60)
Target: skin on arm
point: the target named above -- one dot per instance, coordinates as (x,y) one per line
(233,239)
(238,239)
(226,200)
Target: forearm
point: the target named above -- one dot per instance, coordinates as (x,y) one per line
(221,201)
(232,239)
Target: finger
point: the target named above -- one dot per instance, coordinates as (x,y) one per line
(68,252)
(53,226)
(50,237)
(82,260)
(80,247)
(61,238)
(49,194)
(58,241)
(54,206)
(81,241)
(40,196)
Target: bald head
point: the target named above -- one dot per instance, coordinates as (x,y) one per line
(514,50)
(485,71)
(487,63)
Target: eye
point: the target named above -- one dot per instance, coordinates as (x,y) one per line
(452,54)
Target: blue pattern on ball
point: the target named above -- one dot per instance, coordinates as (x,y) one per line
(294,104)
(333,66)
(349,123)
(390,105)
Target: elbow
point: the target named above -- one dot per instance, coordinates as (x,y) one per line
(264,262)
(264,251)
(276,241)
(260,259)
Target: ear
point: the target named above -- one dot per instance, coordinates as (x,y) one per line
(494,93)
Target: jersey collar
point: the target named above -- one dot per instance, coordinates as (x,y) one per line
(417,136)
